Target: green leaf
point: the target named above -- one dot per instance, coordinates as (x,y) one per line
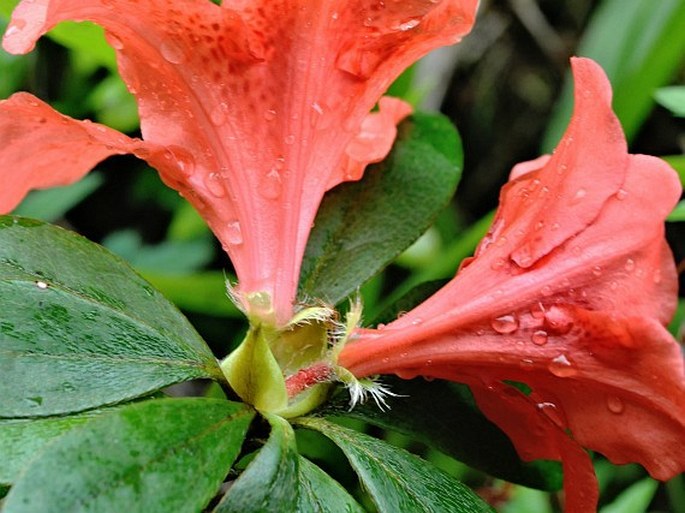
(79,329)
(635,499)
(269,484)
(673,98)
(444,416)
(51,204)
(363,226)
(640,45)
(157,456)
(320,493)
(395,479)
(678,214)
(22,439)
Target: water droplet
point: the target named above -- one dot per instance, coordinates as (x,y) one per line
(234,234)
(41,285)
(630,265)
(215,185)
(505,324)
(562,367)
(272,185)
(537,311)
(539,338)
(546,291)
(656,277)
(527,364)
(597,270)
(501,241)
(218,114)
(615,404)
(172,52)
(578,197)
(621,194)
(417,321)
(290,139)
(498,264)
(552,413)
(408,25)
(555,227)
(406,374)
(539,225)
(270,115)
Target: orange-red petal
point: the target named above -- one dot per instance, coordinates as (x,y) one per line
(581,323)
(263,103)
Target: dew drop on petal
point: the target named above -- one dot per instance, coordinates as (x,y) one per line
(629,265)
(597,271)
(271,185)
(527,364)
(537,311)
(562,367)
(621,194)
(114,41)
(498,264)
(270,115)
(505,324)
(546,291)
(552,413)
(290,139)
(171,52)
(656,277)
(615,404)
(218,115)
(539,337)
(215,185)
(234,233)
(580,194)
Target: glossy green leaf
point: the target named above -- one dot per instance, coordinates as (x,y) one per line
(269,483)
(635,499)
(673,98)
(640,45)
(395,479)
(320,493)
(363,226)
(22,439)
(79,329)
(157,456)
(51,204)
(443,416)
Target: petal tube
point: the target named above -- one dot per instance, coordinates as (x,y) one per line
(568,293)
(263,105)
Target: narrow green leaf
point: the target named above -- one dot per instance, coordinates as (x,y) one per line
(79,329)
(157,456)
(678,214)
(203,292)
(320,493)
(363,226)
(51,204)
(640,45)
(269,484)
(673,98)
(395,479)
(635,499)
(444,416)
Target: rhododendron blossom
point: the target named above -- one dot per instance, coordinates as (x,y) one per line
(251,110)
(569,294)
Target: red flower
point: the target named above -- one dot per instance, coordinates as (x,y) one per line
(250,109)
(568,293)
